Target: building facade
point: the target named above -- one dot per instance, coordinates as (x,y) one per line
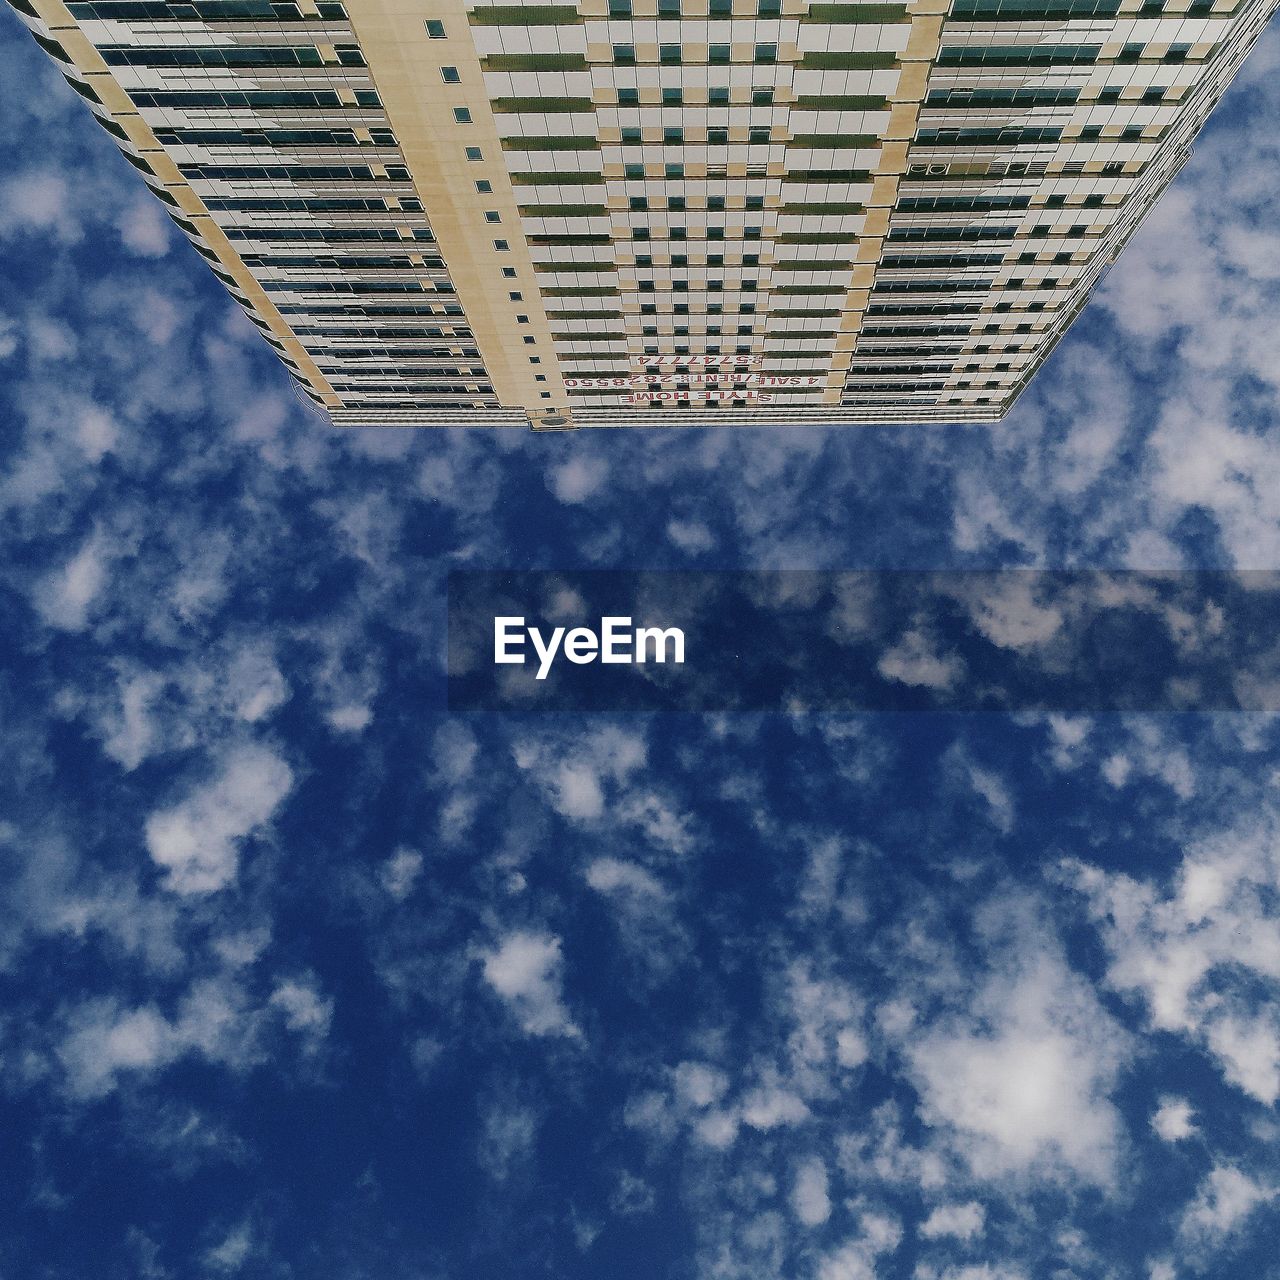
(653,212)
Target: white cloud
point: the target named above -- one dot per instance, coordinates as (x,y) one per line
(856,1258)
(613,875)
(691,536)
(1197,952)
(1225,1198)
(65,597)
(914,661)
(349,718)
(230,1255)
(578,479)
(304,1009)
(810,1201)
(525,971)
(962,1221)
(699,1085)
(577,791)
(144,229)
(400,873)
(1174,1120)
(508,1138)
(197,841)
(1023,1077)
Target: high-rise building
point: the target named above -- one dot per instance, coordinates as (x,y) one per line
(625,212)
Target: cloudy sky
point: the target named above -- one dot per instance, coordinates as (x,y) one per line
(305,978)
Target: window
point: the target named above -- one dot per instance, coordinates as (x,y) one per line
(509,273)
(502,246)
(718,96)
(760,133)
(769,8)
(676,203)
(461,115)
(1177,53)
(719,54)
(718,137)
(1153,95)
(668,8)
(522,319)
(672,136)
(529,340)
(715,204)
(624,54)
(669,55)
(1110,94)
(539,377)
(515,297)
(628,97)
(1132,133)
(639,233)
(492,215)
(672,98)
(677,233)
(721,8)
(637,203)
(632,135)
(675,171)
(435,29)
(484,186)
(1131,52)
(762,97)
(755,202)
(619,8)
(474,153)
(766,54)
(715,233)
(633,171)
(450,75)
(534,359)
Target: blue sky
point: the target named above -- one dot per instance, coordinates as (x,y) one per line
(303,977)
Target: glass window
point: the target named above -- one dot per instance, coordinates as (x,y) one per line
(473,153)
(450,75)
(484,186)
(628,97)
(624,53)
(673,136)
(492,215)
(718,54)
(669,55)
(435,29)
(461,115)
(672,97)
(619,8)
(718,95)
(632,135)
(766,54)
(718,137)
(502,246)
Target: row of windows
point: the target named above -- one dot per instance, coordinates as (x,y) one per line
(252,137)
(672,55)
(324,235)
(251,99)
(202,10)
(675,136)
(225,56)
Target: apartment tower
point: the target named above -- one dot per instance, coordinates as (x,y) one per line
(653,212)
